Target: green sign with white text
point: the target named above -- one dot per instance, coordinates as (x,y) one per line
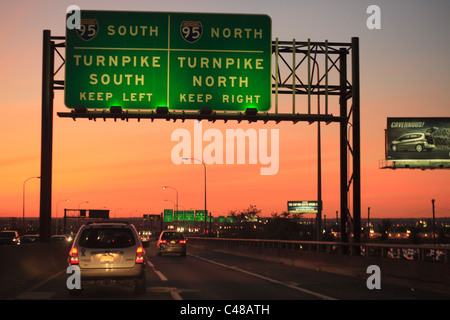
(168,215)
(183,61)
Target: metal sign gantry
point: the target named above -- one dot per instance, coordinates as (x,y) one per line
(300,68)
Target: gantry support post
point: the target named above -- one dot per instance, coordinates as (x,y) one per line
(45,211)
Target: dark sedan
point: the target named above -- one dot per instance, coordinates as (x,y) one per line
(171,242)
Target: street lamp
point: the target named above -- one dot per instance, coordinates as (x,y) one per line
(165,187)
(23,202)
(204,167)
(115,212)
(79,205)
(56,214)
(172,203)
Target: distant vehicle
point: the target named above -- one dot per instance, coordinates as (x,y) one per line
(435,255)
(109,252)
(413,142)
(171,242)
(9,237)
(59,237)
(410,254)
(29,238)
(393,254)
(145,236)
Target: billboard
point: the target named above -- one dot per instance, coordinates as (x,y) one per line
(418,139)
(302,206)
(182,61)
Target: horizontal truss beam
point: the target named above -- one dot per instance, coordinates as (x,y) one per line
(214,116)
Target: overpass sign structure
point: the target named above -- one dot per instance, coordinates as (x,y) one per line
(181,66)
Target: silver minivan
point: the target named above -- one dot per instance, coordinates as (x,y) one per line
(109,252)
(413,142)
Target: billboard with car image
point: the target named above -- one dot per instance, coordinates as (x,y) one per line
(418,139)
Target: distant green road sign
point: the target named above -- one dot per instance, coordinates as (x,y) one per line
(199,215)
(184,61)
(168,215)
(189,215)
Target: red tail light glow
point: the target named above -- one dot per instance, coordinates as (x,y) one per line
(182,241)
(140,255)
(73,256)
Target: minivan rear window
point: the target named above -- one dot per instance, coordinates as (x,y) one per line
(172,236)
(107,238)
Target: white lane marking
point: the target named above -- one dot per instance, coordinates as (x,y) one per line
(30,295)
(173,291)
(267,279)
(175,295)
(158,273)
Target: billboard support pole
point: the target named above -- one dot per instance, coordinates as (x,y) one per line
(45,211)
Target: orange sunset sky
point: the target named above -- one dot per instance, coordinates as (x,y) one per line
(122,166)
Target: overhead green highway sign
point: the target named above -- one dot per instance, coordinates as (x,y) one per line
(168,215)
(182,61)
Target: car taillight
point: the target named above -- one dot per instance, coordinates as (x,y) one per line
(163,241)
(140,255)
(73,256)
(182,241)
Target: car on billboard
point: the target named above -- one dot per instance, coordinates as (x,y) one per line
(417,139)
(413,142)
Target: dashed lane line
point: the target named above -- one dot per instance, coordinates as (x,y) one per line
(173,291)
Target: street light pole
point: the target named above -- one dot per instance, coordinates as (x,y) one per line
(204,168)
(176,191)
(56,214)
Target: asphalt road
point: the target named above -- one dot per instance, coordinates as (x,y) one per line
(208,275)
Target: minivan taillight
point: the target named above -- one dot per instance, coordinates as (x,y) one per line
(73,255)
(140,255)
